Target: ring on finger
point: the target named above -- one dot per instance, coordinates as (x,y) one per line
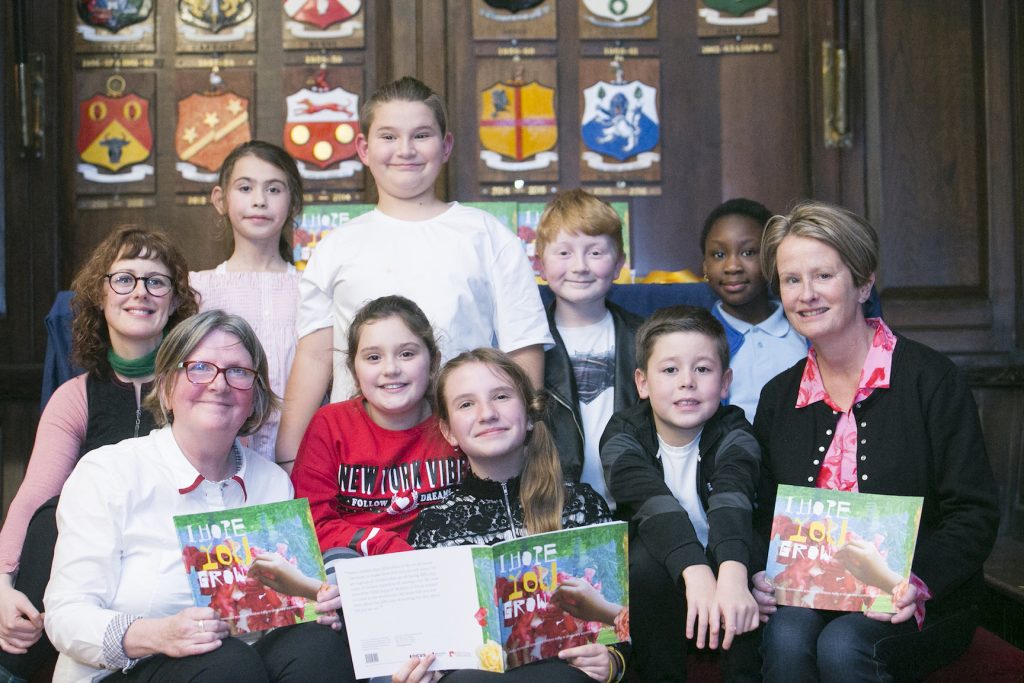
(202,626)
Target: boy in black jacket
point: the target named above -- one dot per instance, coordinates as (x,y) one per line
(683,469)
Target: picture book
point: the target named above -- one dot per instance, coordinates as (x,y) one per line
(218,548)
(486,607)
(840,550)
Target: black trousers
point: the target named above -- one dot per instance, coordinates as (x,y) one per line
(294,654)
(33,575)
(546,670)
(657,624)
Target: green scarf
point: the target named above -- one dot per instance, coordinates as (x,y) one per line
(133,367)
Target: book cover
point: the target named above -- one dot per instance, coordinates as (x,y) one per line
(839,550)
(491,608)
(525,591)
(217,549)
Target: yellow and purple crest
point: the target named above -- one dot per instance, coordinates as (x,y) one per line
(518,120)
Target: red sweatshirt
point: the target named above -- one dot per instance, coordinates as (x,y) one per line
(366,484)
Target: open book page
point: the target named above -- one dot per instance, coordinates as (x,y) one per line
(840,550)
(414,603)
(490,608)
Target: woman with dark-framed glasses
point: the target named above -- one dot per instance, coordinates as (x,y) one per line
(130,292)
(119,605)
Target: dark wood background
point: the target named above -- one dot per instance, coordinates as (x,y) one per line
(936,102)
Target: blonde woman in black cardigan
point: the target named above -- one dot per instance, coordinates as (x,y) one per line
(869,410)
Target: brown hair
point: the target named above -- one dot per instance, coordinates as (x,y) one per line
(680,319)
(577,211)
(410,314)
(541,487)
(280,159)
(90,338)
(851,236)
(405,89)
(183,340)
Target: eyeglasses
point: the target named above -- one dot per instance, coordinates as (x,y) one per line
(124,282)
(201,372)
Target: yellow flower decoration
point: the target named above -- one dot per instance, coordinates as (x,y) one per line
(491,657)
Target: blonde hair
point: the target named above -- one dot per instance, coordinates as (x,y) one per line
(577,211)
(541,487)
(851,236)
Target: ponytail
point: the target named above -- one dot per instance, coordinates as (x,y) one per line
(541,488)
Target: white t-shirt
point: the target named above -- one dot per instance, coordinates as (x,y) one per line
(769,347)
(466,271)
(680,464)
(591,352)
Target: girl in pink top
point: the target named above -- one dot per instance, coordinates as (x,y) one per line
(259,197)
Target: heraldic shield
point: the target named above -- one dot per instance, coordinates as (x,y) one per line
(209,127)
(322,126)
(518,121)
(620,120)
(513,5)
(214,16)
(618,10)
(322,13)
(736,7)
(114,131)
(113,16)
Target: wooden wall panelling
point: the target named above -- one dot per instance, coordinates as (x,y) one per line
(33,210)
(195,227)
(730,125)
(1016,94)
(1000,397)
(941,198)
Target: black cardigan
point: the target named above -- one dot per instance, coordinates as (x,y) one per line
(919,437)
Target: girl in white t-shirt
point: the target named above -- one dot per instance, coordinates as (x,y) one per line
(259,197)
(466,271)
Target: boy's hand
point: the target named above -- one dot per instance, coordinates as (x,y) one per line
(764,595)
(700,596)
(734,606)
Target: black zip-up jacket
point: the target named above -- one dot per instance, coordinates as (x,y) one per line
(730,461)
(563,409)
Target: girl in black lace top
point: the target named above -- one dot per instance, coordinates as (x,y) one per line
(488,409)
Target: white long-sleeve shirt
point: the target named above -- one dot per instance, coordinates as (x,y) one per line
(117,550)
